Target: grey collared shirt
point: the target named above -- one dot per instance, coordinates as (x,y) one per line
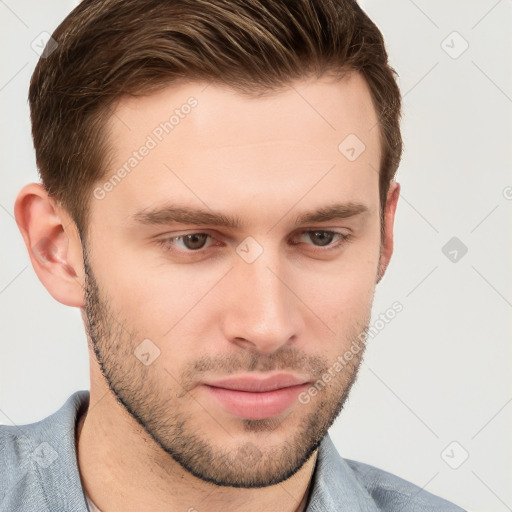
(39,473)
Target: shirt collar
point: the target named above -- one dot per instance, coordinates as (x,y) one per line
(335,486)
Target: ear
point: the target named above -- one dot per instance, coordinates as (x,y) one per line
(53,244)
(386,249)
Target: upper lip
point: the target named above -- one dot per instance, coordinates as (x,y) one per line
(255,384)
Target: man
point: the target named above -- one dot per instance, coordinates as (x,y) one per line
(218,198)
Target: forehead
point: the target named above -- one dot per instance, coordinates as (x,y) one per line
(207,145)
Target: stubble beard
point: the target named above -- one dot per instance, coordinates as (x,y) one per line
(246,460)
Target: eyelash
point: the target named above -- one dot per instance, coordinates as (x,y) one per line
(168,243)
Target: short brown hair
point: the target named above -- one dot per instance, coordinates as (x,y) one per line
(107,49)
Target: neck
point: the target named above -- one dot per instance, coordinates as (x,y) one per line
(122,468)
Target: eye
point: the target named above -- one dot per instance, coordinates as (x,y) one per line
(191,241)
(321,238)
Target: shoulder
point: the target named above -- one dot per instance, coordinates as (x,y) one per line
(37,459)
(390,492)
(344,484)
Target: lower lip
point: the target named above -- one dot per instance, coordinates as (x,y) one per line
(256,406)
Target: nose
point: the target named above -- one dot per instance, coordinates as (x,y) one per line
(261,313)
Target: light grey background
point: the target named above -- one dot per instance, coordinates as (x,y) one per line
(440,371)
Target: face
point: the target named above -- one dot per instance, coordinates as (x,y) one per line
(242,242)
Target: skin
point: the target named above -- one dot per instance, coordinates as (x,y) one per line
(153,438)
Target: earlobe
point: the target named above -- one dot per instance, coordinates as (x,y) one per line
(53,244)
(389,218)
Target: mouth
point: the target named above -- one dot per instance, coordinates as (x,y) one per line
(252,398)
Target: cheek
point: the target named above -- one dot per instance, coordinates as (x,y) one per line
(153,295)
(342,301)
(342,295)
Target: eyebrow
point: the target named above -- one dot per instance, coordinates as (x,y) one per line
(168,214)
